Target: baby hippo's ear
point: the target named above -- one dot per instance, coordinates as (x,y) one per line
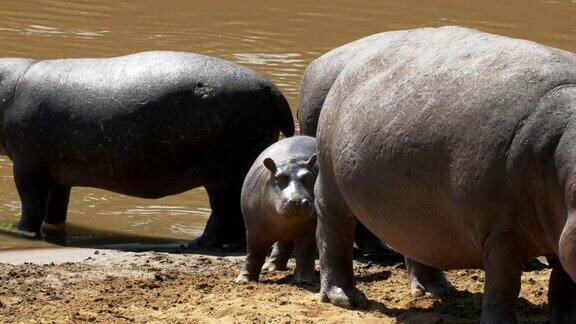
(270,164)
(311,163)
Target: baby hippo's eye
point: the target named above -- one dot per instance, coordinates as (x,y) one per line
(306,177)
(281,180)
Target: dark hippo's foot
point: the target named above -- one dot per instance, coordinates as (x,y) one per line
(216,242)
(344,297)
(225,227)
(534,265)
(426,280)
(19,231)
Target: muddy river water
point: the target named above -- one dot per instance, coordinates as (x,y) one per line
(277,38)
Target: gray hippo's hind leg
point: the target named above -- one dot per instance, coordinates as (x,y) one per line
(256,251)
(33,189)
(503,267)
(226,224)
(58,205)
(335,235)
(305,255)
(281,253)
(561,294)
(427,280)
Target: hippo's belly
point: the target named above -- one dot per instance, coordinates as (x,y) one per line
(429,232)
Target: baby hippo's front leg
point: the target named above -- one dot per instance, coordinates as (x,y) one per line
(305,256)
(256,250)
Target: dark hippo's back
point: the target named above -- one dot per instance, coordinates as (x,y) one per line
(160,120)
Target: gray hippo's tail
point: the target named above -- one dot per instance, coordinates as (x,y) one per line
(283,112)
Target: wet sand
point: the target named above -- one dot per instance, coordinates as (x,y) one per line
(109,285)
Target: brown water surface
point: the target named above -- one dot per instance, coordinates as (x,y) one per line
(277,38)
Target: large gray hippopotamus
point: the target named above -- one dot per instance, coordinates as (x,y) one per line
(316,83)
(147,125)
(459,148)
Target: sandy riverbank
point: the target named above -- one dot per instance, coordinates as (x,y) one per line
(88,285)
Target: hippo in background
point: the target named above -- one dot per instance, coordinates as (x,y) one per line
(147,125)
(458,148)
(278,206)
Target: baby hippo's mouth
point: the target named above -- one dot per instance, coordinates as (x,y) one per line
(297,208)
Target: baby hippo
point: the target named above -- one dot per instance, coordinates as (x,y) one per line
(278,206)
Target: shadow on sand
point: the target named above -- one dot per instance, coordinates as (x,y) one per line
(72,235)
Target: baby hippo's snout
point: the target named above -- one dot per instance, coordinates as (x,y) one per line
(298,207)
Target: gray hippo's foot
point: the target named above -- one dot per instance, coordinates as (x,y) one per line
(426,280)
(344,297)
(244,278)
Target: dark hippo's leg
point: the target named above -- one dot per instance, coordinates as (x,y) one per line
(281,253)
(561,294)
(335,235)
(305,255)
(372,247)
(33,189)
(503,267)
(427,280)
(256,251)
(57,205)
(225,225)
(366,242)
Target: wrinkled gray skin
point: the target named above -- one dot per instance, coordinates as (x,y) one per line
(316,82)
(458,147)
(146,125)
(278,206)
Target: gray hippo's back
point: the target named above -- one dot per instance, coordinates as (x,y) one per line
(156,119)
(423,132)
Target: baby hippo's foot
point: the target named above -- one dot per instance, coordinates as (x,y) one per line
(438,287)
(244,278)
(426,280)
(281,252)
(273,265)
(344,297)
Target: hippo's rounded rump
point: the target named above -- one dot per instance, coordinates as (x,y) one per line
(149,124)
(427,132)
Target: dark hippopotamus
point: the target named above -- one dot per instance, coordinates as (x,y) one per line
(146,125)
(278,205)
(457,147)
